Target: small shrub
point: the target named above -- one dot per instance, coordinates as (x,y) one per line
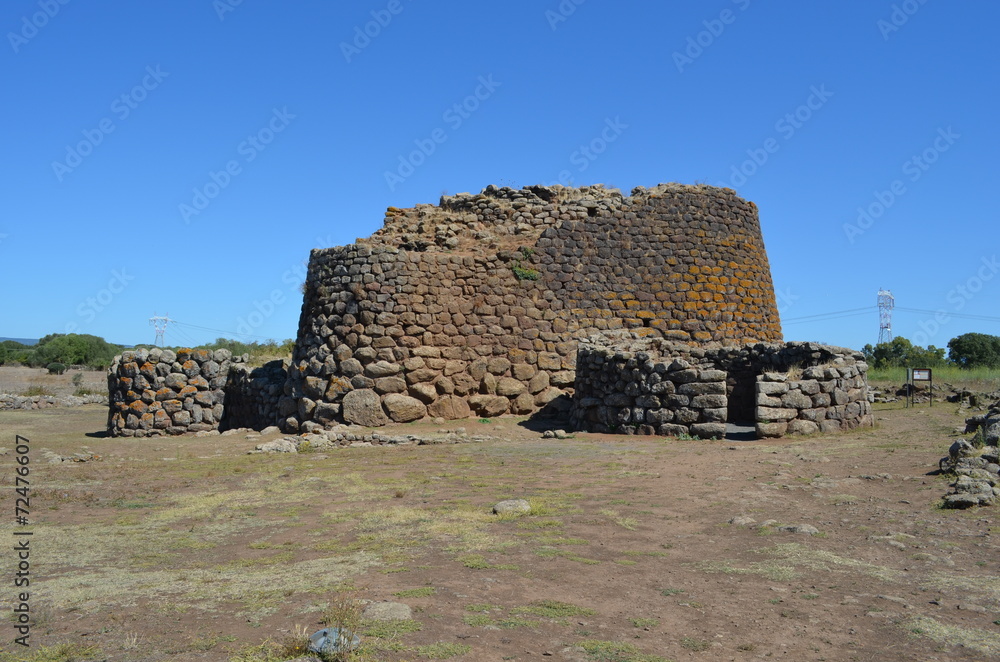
(36,390)
(77,379)
(56,368)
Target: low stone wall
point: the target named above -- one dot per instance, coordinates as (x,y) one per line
(641,384)
(13,401)
(156,392)
(824,398)
(252,395)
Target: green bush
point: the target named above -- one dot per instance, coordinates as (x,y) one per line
(56,368)
(902,353)
(973,350)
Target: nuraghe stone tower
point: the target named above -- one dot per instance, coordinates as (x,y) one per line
(476,306)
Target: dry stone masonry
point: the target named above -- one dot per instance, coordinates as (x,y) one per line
(641,385)
(651,313)
(475,306)
(156,392)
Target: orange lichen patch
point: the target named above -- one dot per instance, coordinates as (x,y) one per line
(632,304)
(693,269)
(691,306)
(188,390)
(203,354)
(645,315)
(645,332)
(138,406)
(616,305)
(189,365)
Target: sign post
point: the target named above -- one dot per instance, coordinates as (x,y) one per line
(922,375)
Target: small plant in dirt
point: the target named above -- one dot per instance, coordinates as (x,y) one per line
(57,653)
(422,592)
(442,650)
(693,644)
(616,651)
(554,609)
(56,368)
(77,380)
(645,622)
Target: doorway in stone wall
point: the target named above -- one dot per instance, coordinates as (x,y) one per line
(740,389)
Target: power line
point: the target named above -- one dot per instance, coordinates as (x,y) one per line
(837,313)
(229,333)
(983,318)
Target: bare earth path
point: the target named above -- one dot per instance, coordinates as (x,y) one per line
(190,549)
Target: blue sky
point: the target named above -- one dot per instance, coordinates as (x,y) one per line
(182,158)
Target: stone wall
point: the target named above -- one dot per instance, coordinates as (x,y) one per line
(156,392)
(648,385)
(822,398)
(476,305)
(252,395)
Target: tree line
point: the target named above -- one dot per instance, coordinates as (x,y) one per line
(969,350)
(61,349)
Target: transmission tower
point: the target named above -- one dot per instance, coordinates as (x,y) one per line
(160,324)
(886,303)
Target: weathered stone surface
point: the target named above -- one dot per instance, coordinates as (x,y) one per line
(384,385)
(403,408)
(489,405)
(364,407)
(382,369)
(450,407)
(509,387)
(512,507)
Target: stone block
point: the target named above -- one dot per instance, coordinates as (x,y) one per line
(486,405)
(799,426)
(403,408)
(771,430)
(449,407)
(709,401)
(364,407)
(796,399)
(708,430)
(774,414)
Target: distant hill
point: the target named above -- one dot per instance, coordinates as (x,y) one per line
(23,341)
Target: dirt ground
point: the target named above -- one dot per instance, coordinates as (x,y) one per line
(18,380)
(187,548)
